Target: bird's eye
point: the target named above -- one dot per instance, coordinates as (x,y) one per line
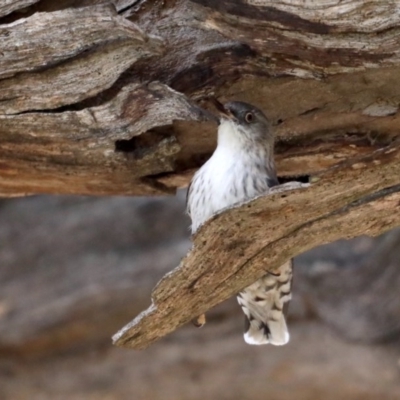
(249,117)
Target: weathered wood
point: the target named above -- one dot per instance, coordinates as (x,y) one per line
(122,5)
(71,56)
(8,6)
(77,141)
(338,14)
(100,45)
(236,247)
(81,112)
(25,44)
(329,38)
(69,83)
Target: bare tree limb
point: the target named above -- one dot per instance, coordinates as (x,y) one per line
(81,111)
(236,247)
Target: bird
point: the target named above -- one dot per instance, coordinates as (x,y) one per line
(243,167)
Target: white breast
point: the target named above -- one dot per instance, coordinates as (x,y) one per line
(230,176)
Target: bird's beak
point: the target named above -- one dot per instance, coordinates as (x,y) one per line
(222,111)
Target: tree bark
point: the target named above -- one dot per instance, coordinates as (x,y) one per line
(109,97)
(74,87)
(239,245)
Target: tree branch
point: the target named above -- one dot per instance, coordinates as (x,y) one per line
(238,246)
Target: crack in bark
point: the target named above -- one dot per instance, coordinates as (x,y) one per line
(268,236)
(364,200)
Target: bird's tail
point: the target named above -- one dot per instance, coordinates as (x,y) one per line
(264,332)
(264,303)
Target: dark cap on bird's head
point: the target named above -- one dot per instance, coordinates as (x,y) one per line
(248,118)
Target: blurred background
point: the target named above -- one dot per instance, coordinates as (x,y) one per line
(74,270)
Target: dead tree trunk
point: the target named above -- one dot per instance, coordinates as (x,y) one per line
(102,97)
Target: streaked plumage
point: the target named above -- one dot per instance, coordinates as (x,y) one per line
(241,168)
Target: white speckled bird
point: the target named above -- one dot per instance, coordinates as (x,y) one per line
(241,168)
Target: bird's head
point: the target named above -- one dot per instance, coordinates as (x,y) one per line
(244,122)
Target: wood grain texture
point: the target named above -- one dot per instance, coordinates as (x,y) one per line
(81,112)
(78,141)
(46,39)
(337,15)
(309,39)
(71,82)
(236,247)
(8,6)
(66,58)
